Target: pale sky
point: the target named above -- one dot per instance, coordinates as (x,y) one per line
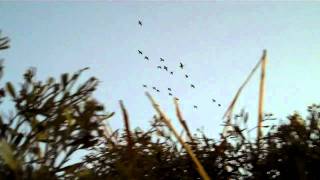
(219,43)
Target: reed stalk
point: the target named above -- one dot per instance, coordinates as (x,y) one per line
(229,111)
(182,122)
(261,93)
(167,121)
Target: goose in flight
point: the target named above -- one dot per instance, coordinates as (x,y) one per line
(219,105)
(181,65)
(159,67)
(154,88)
(170,94)
(195,106)
(140,23)
(146,57)
(144,86)
(4,42)
(169,89)
(140,52)
(213,100)
(161,59)
(192,86)
(187,75)
(165,68)
(171,72)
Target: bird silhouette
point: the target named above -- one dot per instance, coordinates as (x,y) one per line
(176,98)
(213,100)
(219,105)
(159,67)
(192,86)
(169,89)
(146,57)
(171,72)
(187,75)
(140,23)
(158,90)
(170,94)
(195,106)
(165,68)
(161,59)
(140,52)
(144,86)
(181,65)
(154,88)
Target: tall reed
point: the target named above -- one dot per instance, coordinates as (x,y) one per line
(167,121)
(261,94)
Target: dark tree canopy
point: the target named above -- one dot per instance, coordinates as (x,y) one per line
(50,121)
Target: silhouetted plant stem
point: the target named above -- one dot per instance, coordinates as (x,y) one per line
(127,126)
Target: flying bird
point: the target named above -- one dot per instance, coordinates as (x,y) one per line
(219,105)
(165,68)
(144,86)
(170,94)
(176,98)
(161,59)
(140,23)
(159,67)
(146,57)
(169,89)
(4,42)
(181,65)
(140,52)
(213,100)
(158,90)
(171,72)
(154,88)
(196,107)
(192,86)
(186,75)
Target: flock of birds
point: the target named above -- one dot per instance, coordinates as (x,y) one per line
(164,67)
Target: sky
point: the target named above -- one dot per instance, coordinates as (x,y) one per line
(219,43)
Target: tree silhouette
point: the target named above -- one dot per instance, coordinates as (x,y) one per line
(51,120)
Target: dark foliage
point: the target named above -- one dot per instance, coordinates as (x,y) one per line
(290,151)
(50,121)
